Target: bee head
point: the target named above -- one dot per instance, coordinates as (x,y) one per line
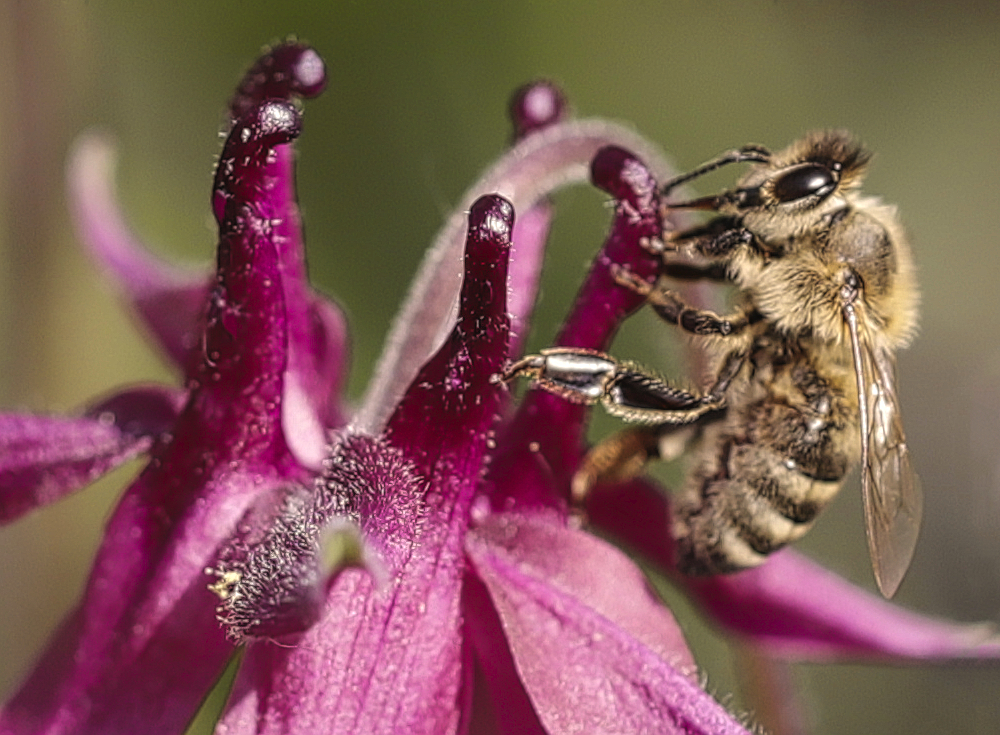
(804,176)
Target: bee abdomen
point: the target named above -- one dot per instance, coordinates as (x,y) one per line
(755,501)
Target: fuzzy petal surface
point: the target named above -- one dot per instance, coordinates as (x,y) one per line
(389,658)
(796,609)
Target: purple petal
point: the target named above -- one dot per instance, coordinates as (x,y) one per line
(382,658)
(143,647)
(796,609)
(445,404)
(43,458)
(576,563)
(389,659)
(510,711)
(317,331)
(148,410)
(602,304)
(790,607)
(246,336)
(534,168)
(596,652)
(638,514)
(317,369)
(169,300)
(530,234)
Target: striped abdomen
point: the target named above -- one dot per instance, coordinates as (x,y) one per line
(769,466)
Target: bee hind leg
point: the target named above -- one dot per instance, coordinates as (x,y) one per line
(622,388)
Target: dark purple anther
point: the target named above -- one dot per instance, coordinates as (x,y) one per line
(535,106)
(287,71)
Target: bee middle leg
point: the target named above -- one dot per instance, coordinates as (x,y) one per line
(624,455)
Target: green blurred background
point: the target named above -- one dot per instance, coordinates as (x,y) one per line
(414,110)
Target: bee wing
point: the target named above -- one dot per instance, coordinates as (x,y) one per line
(890,488)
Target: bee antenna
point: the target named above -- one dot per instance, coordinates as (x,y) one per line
(748,153)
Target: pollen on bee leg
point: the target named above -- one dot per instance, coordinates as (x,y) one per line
(763,519)
(737,551)
(708,543)
(616,459)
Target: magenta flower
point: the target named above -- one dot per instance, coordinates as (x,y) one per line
(372,562)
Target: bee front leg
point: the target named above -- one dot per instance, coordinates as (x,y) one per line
(718,239)
(670,307)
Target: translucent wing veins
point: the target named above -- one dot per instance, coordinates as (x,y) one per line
(891,490)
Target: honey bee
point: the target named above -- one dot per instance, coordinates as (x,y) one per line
(805,383)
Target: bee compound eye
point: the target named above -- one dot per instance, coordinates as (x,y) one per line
(811,179)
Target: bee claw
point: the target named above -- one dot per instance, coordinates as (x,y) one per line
(655,245)
(625,277)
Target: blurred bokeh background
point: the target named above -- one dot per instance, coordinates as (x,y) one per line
(414,110)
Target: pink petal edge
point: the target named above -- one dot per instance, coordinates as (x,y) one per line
(593,656)
(168,299)
(799,610)
(44,458)
(791,606)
